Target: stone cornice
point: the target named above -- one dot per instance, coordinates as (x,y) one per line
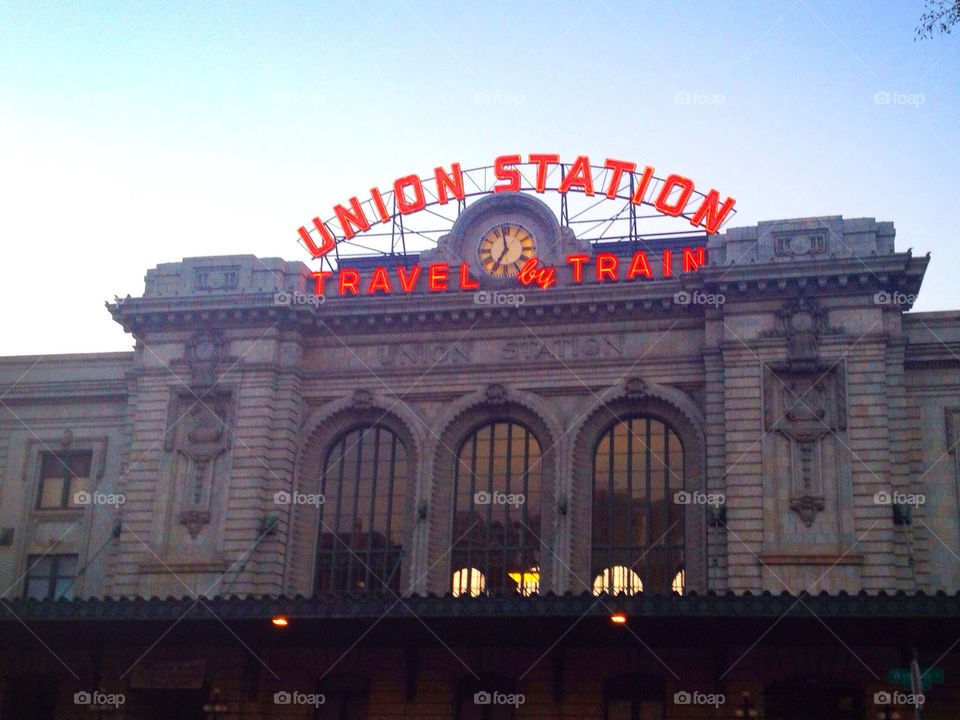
(900,271)
(35,393)
(709,605)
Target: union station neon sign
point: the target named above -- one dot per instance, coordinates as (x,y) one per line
(673,196)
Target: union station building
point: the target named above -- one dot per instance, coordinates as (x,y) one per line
(723,486)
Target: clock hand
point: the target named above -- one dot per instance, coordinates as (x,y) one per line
(496,263)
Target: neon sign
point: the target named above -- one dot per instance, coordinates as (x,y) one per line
(607,268)
(672,198)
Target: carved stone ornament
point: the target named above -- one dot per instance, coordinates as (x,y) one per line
(807,508)
(570,244)
(194,520)
(362,399)
(807,242)
(803,322)
(206,433)
(806,402)
(495,393)
(635,387)
(204,353)
(442,252)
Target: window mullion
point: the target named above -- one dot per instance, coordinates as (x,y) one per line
(370,570)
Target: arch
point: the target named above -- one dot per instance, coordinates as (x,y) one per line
(678,412)
(462,418)
(323,427)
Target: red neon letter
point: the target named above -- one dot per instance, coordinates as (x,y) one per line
(379,281)
(356,217)
(606,266)
(618,166)
(579,175)
(639,266)
(693,259)
(407,283)
(641,190)
(667,269)
(504,173)
(577,261)
(708,210)
(465,282)
(407,207)
(327,239)
(541,162)
(349,280)
(677,208)
(438,276)
(320,277)
(454,181)
(544,277)
(378,202)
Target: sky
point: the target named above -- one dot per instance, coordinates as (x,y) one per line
(134,134)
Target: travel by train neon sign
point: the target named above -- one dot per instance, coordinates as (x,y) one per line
(615,180)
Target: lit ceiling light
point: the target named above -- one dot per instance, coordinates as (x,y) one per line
(618,618)
(280,621)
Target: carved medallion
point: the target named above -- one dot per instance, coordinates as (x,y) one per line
(635,388)
(362,399)
(495,393)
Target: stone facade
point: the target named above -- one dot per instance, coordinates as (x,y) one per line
(801,390)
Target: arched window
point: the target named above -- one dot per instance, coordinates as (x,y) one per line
(496,528)
(637,527)
(469,581)
(361,507)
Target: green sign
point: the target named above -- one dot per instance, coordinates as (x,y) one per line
(928,676)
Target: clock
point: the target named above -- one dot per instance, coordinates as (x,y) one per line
(505,248)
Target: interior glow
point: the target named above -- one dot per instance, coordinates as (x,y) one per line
(618,579)
(527,582)
(468,581)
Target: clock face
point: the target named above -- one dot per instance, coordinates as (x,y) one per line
(504,249)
